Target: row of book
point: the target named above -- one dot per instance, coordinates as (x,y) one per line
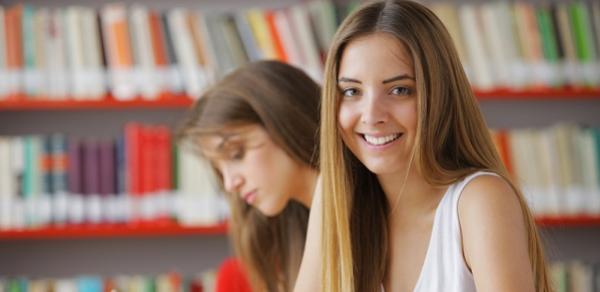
(558,167)
(575,276)
(139,176)
(80,53)
(518,44)
(169,282)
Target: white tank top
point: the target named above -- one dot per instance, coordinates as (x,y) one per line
(444,268)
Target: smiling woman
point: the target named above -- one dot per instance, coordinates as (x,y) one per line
(415,197)
(258,128)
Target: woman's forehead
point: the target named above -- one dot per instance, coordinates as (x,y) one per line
(219,141)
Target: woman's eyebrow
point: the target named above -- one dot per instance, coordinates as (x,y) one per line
(345,79)
(397,78)
(226,140)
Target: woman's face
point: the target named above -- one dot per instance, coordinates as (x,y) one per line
(378,108)
(253,167)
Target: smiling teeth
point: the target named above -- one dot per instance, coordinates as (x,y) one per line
(381,140)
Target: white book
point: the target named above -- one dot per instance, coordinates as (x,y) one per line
(121,77)
(75,47)
(475,47)
(93,71)
(518,70)
(580,277)
(519,159)
(594,7)
(193,78)
(532,141)
(17,161)
(7,187)
(588,157)
(570,176)
(210,67)
(198,190)
(39,78)
(301,23)
(322,14)
(550,170)
(28,49)
(65,285)
(56,56)
(8,191)
(447,13)
(146,69)
(499,48)
(288,39)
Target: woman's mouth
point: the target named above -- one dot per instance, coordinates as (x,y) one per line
(381,140)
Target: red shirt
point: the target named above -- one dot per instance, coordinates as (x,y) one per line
(231,277)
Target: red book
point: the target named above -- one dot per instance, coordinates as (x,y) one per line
(270,17)
(133,137)
(147,167)
(158,39)
(163,154)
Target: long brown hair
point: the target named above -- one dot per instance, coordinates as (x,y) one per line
(452,141)
(285,102)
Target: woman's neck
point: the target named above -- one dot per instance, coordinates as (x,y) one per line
(306,188)
(410,192)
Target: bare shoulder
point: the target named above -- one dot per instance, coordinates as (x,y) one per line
(489,197)
(494,236)
(490,207)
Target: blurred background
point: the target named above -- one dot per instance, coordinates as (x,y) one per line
(95,194)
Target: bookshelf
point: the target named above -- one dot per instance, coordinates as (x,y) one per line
(164,229)
(168,229)
(110,249)
(574,221)
(182,101)
(165,101)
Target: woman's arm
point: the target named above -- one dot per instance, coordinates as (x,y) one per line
(309,276)
(494,236)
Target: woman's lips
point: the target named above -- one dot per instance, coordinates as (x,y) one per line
(250,197)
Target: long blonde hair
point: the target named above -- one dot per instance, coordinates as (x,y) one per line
(285,101)
(452,141)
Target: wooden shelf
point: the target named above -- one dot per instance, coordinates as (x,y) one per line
(173,229)
(164,101)
(112,231)
(566,221)
(540,94)
(182,101)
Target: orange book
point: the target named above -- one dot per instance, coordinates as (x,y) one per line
(502,137)
(15,37)
(158,39)
(270,17)
(196,34)
(123,45)
(14,46)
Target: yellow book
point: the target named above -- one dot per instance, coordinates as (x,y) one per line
(261,32)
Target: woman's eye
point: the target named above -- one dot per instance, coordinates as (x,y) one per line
(237,154)
(349,92)
(401,91)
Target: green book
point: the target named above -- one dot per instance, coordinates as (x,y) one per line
(596,133)
(582,33)
(546,26)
